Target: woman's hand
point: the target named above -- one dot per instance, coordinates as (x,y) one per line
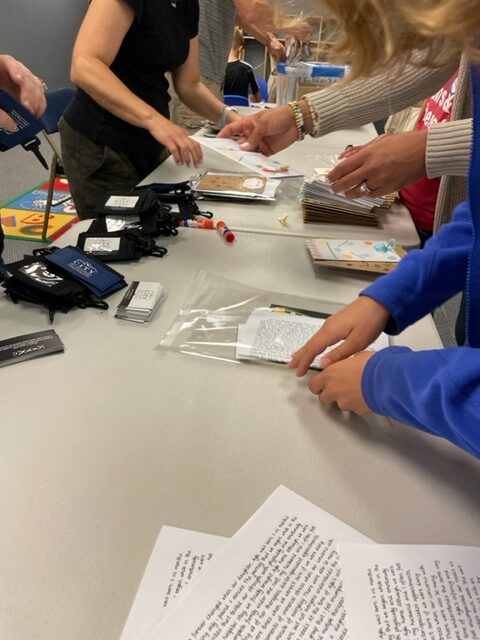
(22,85)
(184,149)
(269,131)
(275,48)
(341,383)
(386,164)
(358,324)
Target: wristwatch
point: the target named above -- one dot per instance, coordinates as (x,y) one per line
(222,121)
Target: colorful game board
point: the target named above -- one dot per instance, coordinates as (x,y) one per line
(23,217)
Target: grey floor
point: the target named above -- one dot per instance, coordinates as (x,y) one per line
(20,170)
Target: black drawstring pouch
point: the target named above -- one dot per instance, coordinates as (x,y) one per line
(139,209)
(33,280)
(179,194)
(118,246)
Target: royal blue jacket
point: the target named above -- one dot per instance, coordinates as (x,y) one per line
(438,390)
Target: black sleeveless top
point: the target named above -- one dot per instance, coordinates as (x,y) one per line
(157,41)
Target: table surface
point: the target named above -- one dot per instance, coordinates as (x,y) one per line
(104,444)
(304,156)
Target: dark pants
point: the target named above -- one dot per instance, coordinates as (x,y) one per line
(95,170)
(424,236)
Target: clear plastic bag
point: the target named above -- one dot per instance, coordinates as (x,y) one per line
(230,321)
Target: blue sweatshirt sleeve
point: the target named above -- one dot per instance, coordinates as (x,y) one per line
(437,391)
(426,278)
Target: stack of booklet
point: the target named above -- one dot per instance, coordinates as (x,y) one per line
(140,301)
(375,256)
(320,204)
(236,186)
(274,334)
(294,571)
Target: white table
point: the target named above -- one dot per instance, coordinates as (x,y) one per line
(264,218)
(104,444)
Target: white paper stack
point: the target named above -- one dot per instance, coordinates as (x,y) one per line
(140,301)
(294,571)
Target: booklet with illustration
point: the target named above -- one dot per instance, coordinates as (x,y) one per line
(375,256)
(236,186)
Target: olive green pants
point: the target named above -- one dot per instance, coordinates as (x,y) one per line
(95,170)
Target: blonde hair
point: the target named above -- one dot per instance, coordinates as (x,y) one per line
(377,33)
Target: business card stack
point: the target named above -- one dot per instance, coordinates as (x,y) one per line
(140,301)
(320,204)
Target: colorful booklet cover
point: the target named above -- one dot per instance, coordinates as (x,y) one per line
(236,186)
(29,346)
(375,256)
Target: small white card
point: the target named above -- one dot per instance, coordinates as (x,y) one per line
(120,221)
(122,202)
(101,245)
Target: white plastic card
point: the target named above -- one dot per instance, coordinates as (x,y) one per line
(122,202)
(101,245)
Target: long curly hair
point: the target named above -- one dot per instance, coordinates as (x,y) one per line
(374,34)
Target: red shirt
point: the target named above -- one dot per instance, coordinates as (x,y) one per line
(420,197)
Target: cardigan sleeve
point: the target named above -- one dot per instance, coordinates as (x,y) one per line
(449,146)
(368,99)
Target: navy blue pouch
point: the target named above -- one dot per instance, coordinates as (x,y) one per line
(101,279)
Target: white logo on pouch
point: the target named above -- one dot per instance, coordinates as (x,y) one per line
(38,271)
(82,266)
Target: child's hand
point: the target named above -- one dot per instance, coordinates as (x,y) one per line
(341,383)
(357,325)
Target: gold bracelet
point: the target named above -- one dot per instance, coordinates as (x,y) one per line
(315,117)
(299,120)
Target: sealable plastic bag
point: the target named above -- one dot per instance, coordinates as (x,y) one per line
(233,322)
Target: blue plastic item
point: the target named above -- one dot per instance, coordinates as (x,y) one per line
(263,88)
(312,70)
(236,101)
(57,101)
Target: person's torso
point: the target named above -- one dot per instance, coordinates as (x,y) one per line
(217,19)
(473,273)
(157,41)
(237,78)
(420,197)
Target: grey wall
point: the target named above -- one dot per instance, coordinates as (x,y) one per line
(41,34)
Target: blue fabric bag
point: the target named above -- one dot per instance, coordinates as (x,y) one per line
(95,275)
